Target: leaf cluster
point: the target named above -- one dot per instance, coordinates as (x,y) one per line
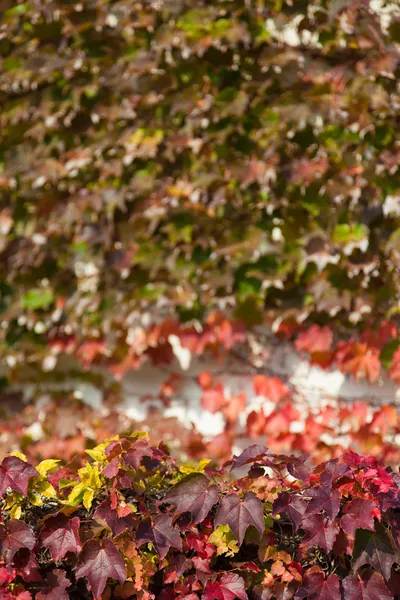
(129,522)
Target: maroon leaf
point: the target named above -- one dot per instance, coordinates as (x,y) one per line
(376,549)
(298,469)
(249,455)
(229,587)
(291,505)
(26,566)
(161,533)
(137,452)
(61,535)
(323,498)
(14,536)
(241,514)
(195,495)
(98,563)
(365,588)
(316,587)
(358,515)
(319,532)
(15,474)
(55,588)
(111,470)
(110,516)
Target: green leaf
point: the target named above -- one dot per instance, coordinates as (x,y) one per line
(37,298)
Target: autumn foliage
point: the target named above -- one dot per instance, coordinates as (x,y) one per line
(178,157)
(128,521)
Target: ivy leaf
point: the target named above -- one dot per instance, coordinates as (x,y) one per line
(61,535)
(241,514)
(315,339)
(297,468)
(229,587)
(270,387)
(110,516)
(360,360)
(37,298)
(316,587)
(375,548)
(15,535)
(252,454)
(368,587)
(15,474)
(161,533)
(358,515)
(98,562)
(323,498)
(195,495)
(136,453)
(55,588)
(291,505)
(319,532)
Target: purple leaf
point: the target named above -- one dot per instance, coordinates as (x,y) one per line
(241,514)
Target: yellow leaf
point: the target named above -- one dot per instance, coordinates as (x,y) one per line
(46,466)
(224,541)
(45,488)
(16,512)
(76,494)
(88,499)
(90,476)
(19,455)
(35,500)
(193,468)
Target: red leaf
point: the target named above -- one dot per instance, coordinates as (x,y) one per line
(315,339)
(213,400)
(110,515)
(323,498)
(98,563)
(366,588)
(251,454)
(137,452)
(61,535)
(204,379)
(241,514)
(220,447)
(234,406)
(319,532)
(57,583)
(359,360)
(195,495)
(291,505)
(15,474)
(358,515)
(161,533)
(14,536)
(270,387)
(255,425)
(316,587)
(395,368)
(229,587)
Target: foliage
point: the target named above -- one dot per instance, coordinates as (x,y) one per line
(280,529)
(175,158)
(285,421)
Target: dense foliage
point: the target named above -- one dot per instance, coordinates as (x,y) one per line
(129,522)
(180,157)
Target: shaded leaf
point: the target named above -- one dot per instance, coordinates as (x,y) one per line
(97,563)
(240,514)
(195,495)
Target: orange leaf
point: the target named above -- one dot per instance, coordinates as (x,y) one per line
(270,387)
(315,339)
